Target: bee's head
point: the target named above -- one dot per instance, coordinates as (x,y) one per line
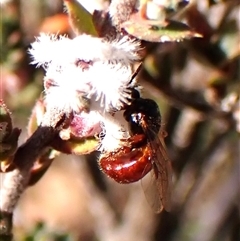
(143,114)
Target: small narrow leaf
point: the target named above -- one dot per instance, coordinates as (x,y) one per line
(7,165)
(5,122)
(41,166)
(80,19)
(36,116)
(76,146)
(8,138)
(157,31)
(9,146)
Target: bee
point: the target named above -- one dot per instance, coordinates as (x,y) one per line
(144,152)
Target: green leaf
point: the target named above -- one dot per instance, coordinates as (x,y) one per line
(155,31)
(80,19)
(75,146)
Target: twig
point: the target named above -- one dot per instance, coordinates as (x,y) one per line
(16,181)
(179,97)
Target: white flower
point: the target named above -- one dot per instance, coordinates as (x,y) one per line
(62,50)
(123,50)
(50,49)
(64,89)
(86,66)
(115,132)
(111,84)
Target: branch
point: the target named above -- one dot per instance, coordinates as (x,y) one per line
(16,182)
(179,97)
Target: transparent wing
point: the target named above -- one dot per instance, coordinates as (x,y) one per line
(158,188)
(162,172)
(151,192)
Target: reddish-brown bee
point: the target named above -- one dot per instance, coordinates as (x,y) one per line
(145,152)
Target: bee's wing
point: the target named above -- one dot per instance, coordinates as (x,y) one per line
(163,171)
(151,192)
(162,174)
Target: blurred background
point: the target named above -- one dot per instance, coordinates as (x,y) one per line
(196,84)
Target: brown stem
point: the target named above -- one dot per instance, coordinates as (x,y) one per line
(16,182)
(179,97)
